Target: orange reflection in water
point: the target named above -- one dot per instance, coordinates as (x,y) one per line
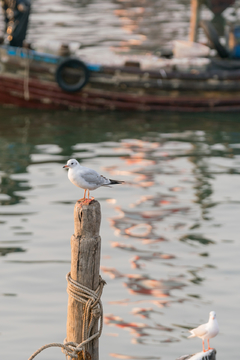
(139,224)
(149,254)
(144,285)
(112,272)
(151,215)
(145,255)
(138,329)
(144,312)
(155,256)
(137,145)
(156,200)
(139,230)
(137,159)
(121,356)
(176,188)
(145,163)
(158,303)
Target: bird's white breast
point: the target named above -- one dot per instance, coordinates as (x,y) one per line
(213,329)
(76,178)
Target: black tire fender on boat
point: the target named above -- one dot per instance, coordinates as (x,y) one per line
(212,35)
(72,63)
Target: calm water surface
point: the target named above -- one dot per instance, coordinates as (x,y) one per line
(170,235)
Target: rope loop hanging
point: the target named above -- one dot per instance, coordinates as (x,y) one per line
(93,311)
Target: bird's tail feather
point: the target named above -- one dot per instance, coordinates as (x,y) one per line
(113,182)
(192,334)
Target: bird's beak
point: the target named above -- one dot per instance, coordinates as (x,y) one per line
(65,166)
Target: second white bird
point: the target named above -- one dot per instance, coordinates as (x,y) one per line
(206,331)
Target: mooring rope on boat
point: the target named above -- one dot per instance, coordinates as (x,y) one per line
(26,76)
(92,312)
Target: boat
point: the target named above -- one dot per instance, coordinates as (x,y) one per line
(29,79)
(40,80)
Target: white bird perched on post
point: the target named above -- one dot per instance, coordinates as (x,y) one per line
(206,331)
(87,179)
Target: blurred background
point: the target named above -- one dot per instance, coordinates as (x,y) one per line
(170,234)
(106,28)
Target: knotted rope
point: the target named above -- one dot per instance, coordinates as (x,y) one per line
(93,310)
(93,307)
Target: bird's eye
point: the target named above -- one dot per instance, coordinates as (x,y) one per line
(72,163)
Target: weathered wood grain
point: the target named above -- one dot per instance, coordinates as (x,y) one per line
(85,265)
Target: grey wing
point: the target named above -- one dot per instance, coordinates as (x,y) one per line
(94,178)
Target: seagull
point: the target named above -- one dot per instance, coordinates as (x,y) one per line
(87,179)
(206,331)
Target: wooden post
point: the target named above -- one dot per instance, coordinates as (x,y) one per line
(195,18)
(85,265)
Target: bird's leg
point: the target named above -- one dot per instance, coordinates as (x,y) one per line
(92,198)
(87,201)
(203,346)
(84,196)
(209,348)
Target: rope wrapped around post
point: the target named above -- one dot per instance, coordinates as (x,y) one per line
(93,311)
(93,308)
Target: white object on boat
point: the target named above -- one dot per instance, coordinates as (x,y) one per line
(190,64)
(186,49)
(206,331)
(52,47)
